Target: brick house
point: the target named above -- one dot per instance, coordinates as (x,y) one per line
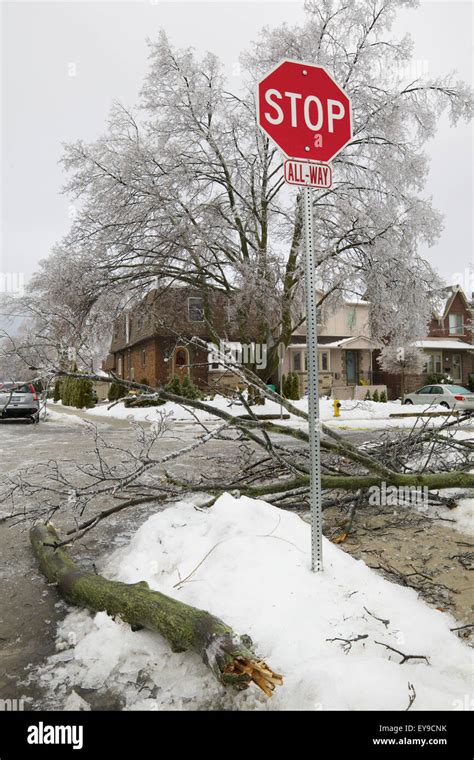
(147,342)
(448,345)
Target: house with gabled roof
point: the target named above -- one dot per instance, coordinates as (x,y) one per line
(448,346)
(151,340)
(346,351)
(449,343)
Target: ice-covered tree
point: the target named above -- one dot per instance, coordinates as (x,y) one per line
(402,322)
(185,188)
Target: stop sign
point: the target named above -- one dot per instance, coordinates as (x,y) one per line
(304,111)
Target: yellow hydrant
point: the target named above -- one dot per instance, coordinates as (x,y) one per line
(337,405)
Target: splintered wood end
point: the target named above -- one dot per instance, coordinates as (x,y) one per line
(256,671)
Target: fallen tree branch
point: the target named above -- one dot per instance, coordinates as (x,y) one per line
(347,645)
(405,657)
(229,656)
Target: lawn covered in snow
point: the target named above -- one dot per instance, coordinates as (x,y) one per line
(362,415)
(248,563)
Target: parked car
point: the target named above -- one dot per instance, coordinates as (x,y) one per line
(19,400)
(449,396)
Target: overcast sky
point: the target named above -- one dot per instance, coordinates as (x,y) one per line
(103,43)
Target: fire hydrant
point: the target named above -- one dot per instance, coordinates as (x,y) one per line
(337,405)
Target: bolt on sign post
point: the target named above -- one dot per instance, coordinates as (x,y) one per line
(308,116)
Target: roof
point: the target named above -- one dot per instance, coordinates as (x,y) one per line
(444,343)
(442,299)
(164,314)
(354,342)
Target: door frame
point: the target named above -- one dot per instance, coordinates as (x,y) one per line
(354,352)
(180,370)
(457,379)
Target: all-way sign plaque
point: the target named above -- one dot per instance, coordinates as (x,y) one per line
(307,174)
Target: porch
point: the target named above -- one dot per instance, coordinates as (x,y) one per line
(343,365)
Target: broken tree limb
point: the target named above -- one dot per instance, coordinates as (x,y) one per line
(229,656)
(341,482)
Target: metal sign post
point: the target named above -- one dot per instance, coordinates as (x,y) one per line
(313,395)
(281,357)
(308,116)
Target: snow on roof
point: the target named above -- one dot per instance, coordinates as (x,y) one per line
(348,341)
(440,301)
(445,343)
(337,343)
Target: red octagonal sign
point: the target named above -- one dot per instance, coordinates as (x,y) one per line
(304,111)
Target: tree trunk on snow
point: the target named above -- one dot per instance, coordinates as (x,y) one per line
(432,480)
(228,655)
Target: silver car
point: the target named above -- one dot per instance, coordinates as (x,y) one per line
(449,396)
(19,400)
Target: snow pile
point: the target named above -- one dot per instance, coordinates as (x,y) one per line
(64,419)
(461,518)
(248,563)
(353,414)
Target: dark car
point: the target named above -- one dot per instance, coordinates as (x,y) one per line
(19,400)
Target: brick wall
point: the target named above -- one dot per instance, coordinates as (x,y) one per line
(153,359)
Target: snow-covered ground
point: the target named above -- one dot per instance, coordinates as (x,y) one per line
(361,415)
(248,563)
(55,416)
(463,514)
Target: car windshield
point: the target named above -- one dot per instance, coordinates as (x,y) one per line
(457,389)
(14,388)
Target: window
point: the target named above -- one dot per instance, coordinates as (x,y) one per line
(351,318)
(426,389)
(436,389)
(119,366)
(324,361)
(297,361)
(456,324)
(456,389)
(143,357)
(434,363)
(196,309)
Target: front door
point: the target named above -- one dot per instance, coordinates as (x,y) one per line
(351,367)
(181,362)
(456,368)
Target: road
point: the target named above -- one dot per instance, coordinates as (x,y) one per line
(29,610)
